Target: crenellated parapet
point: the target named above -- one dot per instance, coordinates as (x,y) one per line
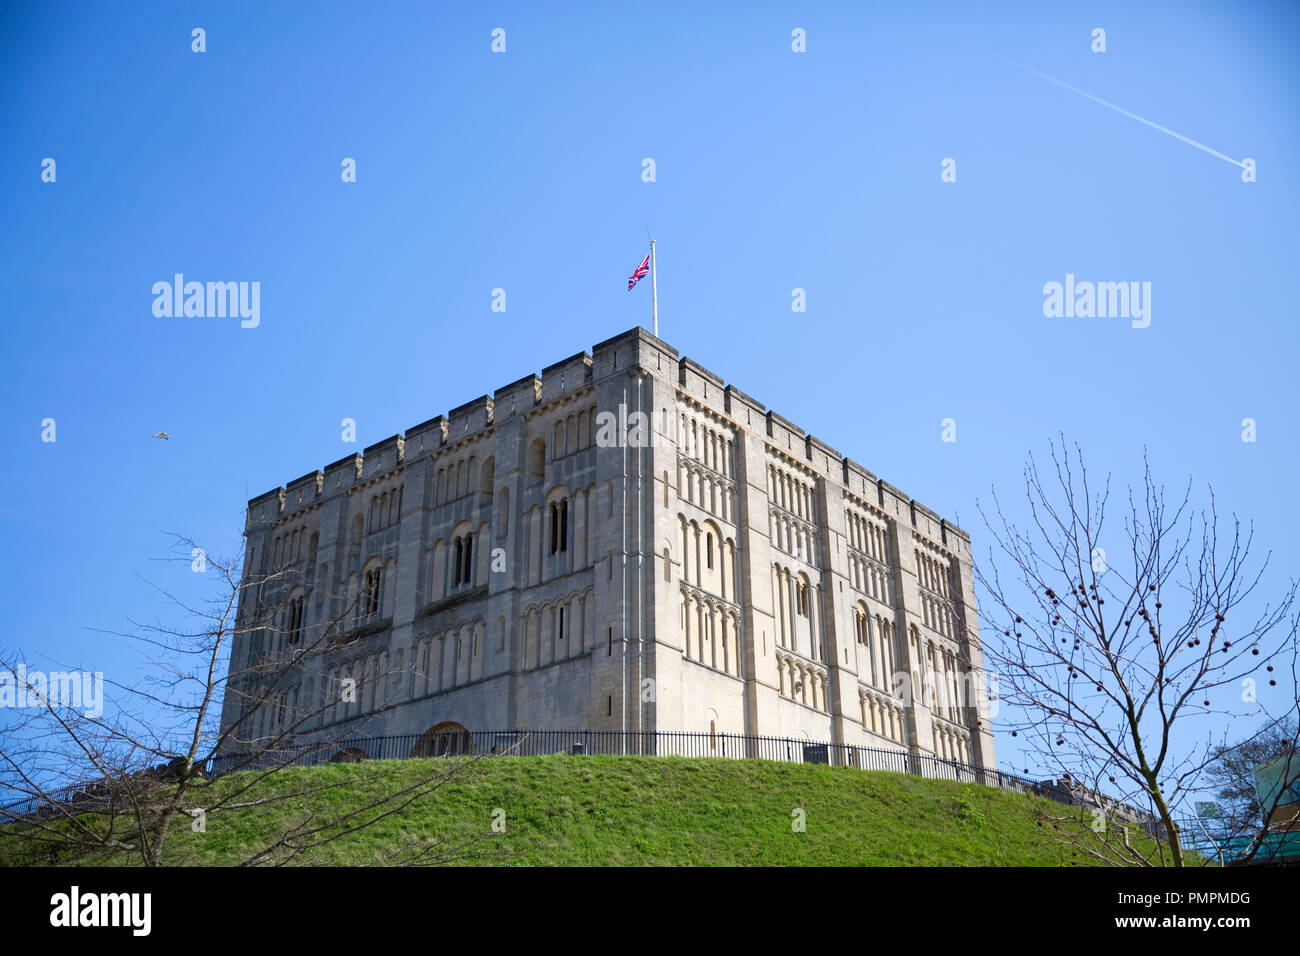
(475,417)
(707,392)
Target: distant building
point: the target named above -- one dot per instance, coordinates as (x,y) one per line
(625,543)
(1277,787)
(1073,792)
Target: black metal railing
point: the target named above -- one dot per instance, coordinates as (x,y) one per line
(531,743)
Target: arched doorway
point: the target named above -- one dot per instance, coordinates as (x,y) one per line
(447,739)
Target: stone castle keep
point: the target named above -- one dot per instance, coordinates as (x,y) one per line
(625,543)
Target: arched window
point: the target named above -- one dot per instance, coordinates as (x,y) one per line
(803,599)
(559,511)
(295,620)
(709,549)
(462,560)
(371,593)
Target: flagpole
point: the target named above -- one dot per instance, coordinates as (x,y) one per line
(654,290)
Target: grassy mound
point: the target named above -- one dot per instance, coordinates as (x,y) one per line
(622,811)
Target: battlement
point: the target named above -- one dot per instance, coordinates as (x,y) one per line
(635,348)
(695,379)
(632,348)
(427,436)
(517,397)
(710,390)
(563,377)
(737,403)
(472,417)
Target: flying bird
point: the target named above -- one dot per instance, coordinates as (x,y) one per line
(163,435)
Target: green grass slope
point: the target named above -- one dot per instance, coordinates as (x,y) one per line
(630,811)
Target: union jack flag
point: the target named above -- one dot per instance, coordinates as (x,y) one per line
(641,270)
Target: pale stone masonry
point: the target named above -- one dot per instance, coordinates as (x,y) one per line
(625,543)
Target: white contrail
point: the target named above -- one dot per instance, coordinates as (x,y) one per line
(1117,109)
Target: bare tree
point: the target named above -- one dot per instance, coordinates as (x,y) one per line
(1122,653)
(114,782)
(1233,766)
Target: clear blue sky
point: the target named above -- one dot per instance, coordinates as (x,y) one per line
(476,170)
